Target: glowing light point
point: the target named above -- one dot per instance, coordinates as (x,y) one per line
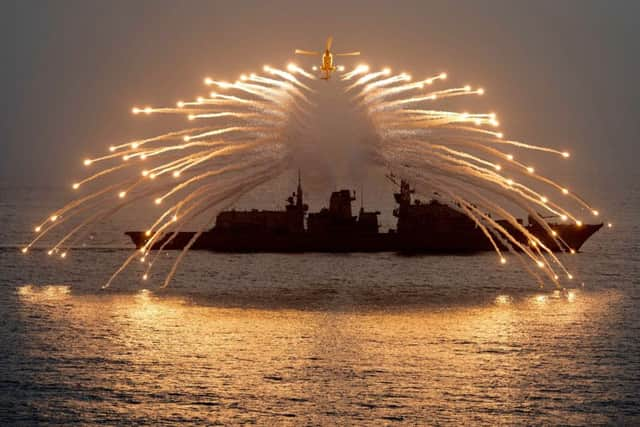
(175,218)
(147,233)
(340,67)
(314,68)
(135,110)
(37,229)
(122,194)
(24,250)
(75,186)
(579,223)
(200,100)
(570,276)
(291,67)
(572,251)
(180,104)
(148,110)
(503,260)
(498,167)
(135,145)
(540,264)
(443,76)
(595,213)
(509,156)
(112,148)
(565,191)
(531,169)
(186,138)
(145,277)
(502,299)
(158,201)
(480,91)
(266,68)
(53,218)
(50,252)
(386,71)
(563,217)
(554,233)
(467,88)
(500,135)
(63,255)
(509,182)
(544,199)
(192,116)
(208,81)
(571,296)
(176,174)
(566,154)
(609,225)
(87,162)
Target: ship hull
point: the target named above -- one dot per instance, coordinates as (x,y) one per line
(433,241)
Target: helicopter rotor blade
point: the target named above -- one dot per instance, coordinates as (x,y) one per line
(306,52)
(347,54)
(329,42)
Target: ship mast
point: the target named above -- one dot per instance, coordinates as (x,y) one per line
(299,191)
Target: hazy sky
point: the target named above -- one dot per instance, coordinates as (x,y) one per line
(562,73)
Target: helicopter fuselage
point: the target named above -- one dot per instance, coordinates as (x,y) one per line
(327,64)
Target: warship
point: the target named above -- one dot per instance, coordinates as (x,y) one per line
(433,227)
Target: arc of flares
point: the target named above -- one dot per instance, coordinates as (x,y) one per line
(454,154)
(244,124)
(242,143)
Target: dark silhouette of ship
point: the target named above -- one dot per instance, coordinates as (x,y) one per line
(432,227)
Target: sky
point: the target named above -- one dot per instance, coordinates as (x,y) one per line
(558,73)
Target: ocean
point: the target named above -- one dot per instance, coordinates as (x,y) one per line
(314,338)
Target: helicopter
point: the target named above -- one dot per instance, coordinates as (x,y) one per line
(327,58)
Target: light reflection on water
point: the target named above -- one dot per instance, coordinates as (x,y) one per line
(148,356)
